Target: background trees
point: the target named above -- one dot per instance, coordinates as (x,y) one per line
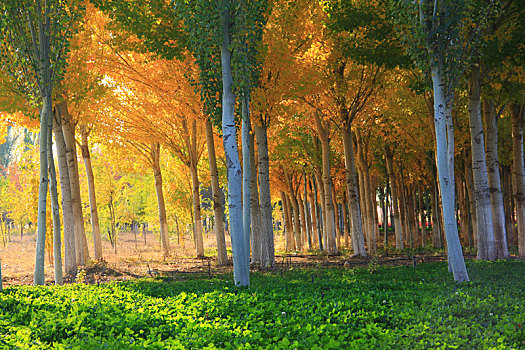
(360,126)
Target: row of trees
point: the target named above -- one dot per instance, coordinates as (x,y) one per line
(340,104)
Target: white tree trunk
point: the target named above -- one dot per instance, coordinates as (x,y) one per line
(445,165)
(57,244)
(163,222)
(70,261)
(329,220)
(241,273)
(358,240)
(45,115)
(518,173)
(267,243)
(81,249)
(218,210)
(494,181)
(199,242)
(485,229)
(95,225)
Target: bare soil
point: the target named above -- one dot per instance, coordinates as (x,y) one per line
(136,258)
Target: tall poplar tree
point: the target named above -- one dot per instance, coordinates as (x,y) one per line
(34,38)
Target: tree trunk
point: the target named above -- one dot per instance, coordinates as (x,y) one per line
(507,200)
(45,115)
(267,252)
(469,183)
(255,209)
(241,273)
(322,210)
(302,212)
(518,172)
(92,197)
(315,219)
(494,181)
(218,210)
(485,229)
(445,165)
(463,211)
(393,188)
(70,261)
(296,221)
(199,242)
(290,242)
(57,244)
(324,136)
(71,156)
(307,216)
(163,222)
(246,175)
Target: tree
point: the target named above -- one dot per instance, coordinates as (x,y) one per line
(432,32)
(34,38)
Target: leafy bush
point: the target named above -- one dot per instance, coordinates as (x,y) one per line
(402,307)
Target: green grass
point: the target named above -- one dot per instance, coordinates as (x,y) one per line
(393,308)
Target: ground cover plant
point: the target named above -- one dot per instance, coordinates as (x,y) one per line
(385,307)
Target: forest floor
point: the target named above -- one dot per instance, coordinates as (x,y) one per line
(136,257)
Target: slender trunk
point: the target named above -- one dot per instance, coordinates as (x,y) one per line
(71,156)
(218,210)
(246,175)
(255,209)
(267,252)
(70,262)
(307,216)
(199,242)
(324,136)
(57,244)
(322,210)
(336,217)
(494,181)
(290,242)
(445,165)
(463,211)
(241,274)
(469,183)
(163,221)
(393,188)
(45,114)
(404,211)
(296,221)
(92,197)
(313,206)
(346,223)
(507,199)
(302,214)
(422,225)
(485,229)
(518,172)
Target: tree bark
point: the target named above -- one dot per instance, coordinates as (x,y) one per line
(246,175)
(518,172)
(57,244)
(267,237)
(324,136)
(485,229)
(163,221)
(494,181)
(255,210)
(97,241)
(218,209)
(45,115)
(445,165)
(70,262)
(241,273)
(290,241)
(71,157)
(395,201)
(469,183)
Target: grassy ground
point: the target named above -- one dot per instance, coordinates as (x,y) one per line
(374,307)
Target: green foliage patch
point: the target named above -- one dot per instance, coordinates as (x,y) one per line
(401,307)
